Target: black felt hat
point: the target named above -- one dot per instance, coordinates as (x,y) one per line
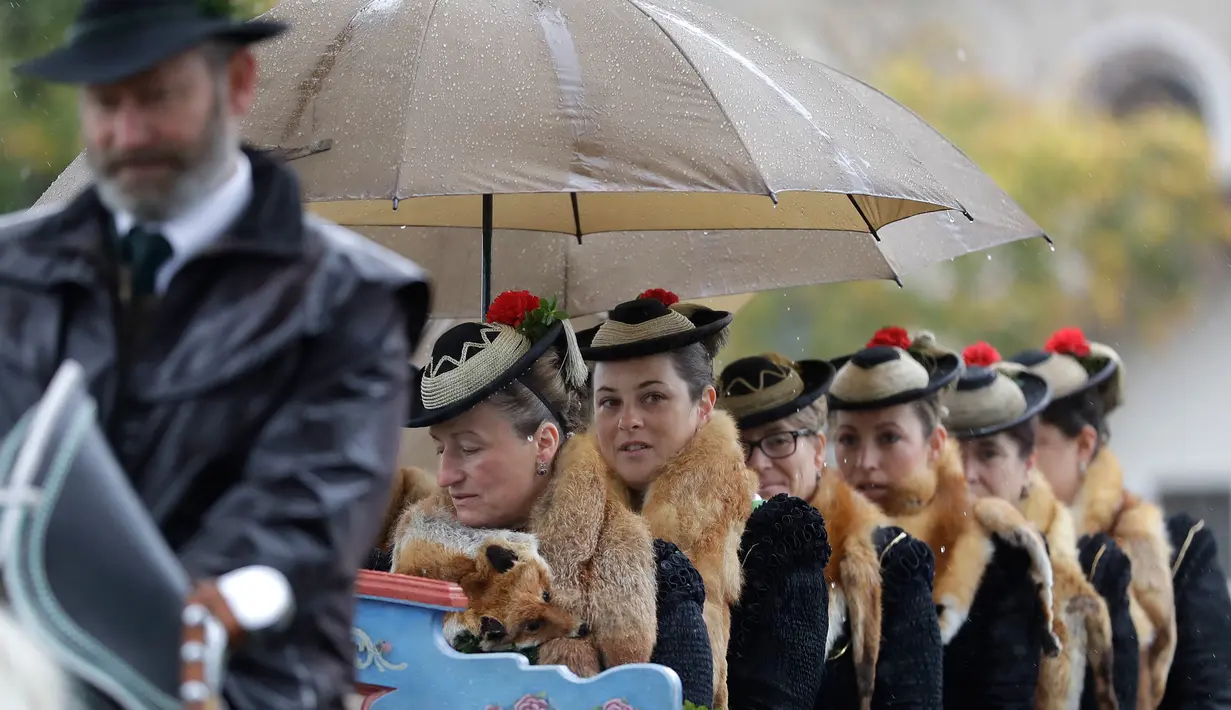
(761,389)
(1076,367)
(112,40)
(654,323)
(892,370)
(472,361)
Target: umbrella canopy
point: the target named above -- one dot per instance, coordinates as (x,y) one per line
(592,275)
(912,244)
(572,117)
(579,116)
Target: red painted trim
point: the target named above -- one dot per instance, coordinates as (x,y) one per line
(371,693)
(416,590)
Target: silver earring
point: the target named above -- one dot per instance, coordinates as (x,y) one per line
(542,468)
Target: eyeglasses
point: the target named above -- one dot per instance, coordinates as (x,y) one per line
(778,445)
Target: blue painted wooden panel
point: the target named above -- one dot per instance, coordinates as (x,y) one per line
(400,645)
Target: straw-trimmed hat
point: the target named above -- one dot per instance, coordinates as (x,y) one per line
(761,389)
(472,361)
(1074,366)
(892,369)
(992,395)
(656,322)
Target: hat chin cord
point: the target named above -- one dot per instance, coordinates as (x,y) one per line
(555,413)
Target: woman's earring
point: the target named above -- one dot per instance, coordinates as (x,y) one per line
(542,468)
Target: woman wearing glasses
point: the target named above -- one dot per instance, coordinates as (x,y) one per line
(883,647)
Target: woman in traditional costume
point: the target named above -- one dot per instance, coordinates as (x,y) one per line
(992,412)
(674,459)
(1085,379)
(993,578)
(505,402)
(883,646)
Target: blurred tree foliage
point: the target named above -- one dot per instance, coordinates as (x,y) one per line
(38,122)
(1132,206)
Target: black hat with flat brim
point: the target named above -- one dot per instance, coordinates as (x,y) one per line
(883,376)
(762,389)
(989,400)
(472,361)
(112,40)
(649,326)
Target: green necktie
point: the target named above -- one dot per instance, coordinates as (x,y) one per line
(144,251)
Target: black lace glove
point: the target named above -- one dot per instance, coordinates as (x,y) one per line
(1200,677)
(911,665)
(1112,573)
(993,661)
(909,668)
(777,653)
(683,644)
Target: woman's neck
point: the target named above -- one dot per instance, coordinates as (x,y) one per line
(636,499)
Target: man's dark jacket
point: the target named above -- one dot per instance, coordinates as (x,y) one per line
(258,420)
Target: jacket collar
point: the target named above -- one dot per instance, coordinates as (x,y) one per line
(712,461)
(73,245)
(196,228)
(1101,498)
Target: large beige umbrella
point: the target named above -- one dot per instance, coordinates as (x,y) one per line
(572,117)
(924,240)
(603,271)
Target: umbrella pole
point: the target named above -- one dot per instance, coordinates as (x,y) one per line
(486,288)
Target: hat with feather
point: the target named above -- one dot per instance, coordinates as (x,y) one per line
(655,322)
(992,395)
(1076,367)
(892,369)
(472,361)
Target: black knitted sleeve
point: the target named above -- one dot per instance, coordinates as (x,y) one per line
(1112,572)
(993,661)
(777,653)
(683,643)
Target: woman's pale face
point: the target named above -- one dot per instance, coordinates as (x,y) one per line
(880,449)
(491,473)
(994,467)
(644,416)
(1062,459)
(795,474)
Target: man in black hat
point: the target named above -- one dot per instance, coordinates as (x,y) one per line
(249,361)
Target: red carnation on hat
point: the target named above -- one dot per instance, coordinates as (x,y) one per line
(1068,341)
(981,354)
(891,336)
(511,308)
(668,299)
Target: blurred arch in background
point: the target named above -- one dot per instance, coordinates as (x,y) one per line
(1135,62)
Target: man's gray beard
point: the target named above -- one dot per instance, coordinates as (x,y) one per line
(217,150)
